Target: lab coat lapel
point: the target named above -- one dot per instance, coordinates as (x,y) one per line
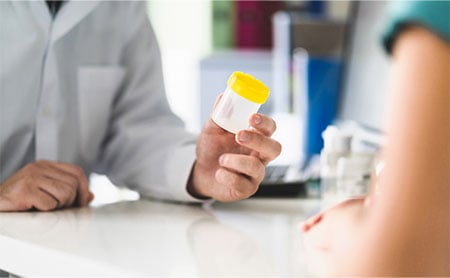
(70,14)
(39,13)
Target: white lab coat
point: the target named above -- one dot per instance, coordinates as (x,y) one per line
(87,88)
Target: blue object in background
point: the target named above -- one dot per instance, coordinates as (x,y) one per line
(323,76)
(317,7)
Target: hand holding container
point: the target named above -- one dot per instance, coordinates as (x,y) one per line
(242,98)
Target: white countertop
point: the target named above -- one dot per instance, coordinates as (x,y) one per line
(256,237)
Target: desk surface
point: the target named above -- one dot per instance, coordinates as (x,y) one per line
(255,237)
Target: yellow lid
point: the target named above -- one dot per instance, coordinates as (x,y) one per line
(248,87)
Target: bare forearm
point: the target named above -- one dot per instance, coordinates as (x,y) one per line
(402,229)
(412,212)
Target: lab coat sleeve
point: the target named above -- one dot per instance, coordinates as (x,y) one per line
(146,148)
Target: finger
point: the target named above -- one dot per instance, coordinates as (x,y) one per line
(210,123)
(236,186)
(211,126)
(63,193)
(309,223)
(41,200)
(65,179)
(219,97)
(244,164)
(263,124)
(91,197)
(54,172)
(78,173)
(318,236)
(267,147)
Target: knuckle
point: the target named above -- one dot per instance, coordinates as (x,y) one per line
(68,190)
(72,182)
(239,190)
(255,165)
(261,173)
(243,192)
(79,171)
(28,181)
(278,148)
(51,205)
(236,194)
(71,190)
(252,189)
(41,162)
(30,167)
(274,125)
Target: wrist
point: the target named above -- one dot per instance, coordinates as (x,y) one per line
(193,184)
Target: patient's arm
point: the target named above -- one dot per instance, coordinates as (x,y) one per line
(404,231)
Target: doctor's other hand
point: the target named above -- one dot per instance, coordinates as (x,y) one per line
(45,185)
(230,167)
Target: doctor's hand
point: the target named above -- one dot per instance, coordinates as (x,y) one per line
(45,186)
(230,167)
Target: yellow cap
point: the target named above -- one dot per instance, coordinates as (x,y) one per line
(248,87)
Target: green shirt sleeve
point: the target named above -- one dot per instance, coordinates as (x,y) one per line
(433,15)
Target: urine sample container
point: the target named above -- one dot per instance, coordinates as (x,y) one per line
(242,98)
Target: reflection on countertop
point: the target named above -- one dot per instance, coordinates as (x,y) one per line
(249,238)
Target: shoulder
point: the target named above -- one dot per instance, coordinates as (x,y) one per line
(129,9)
(432,15)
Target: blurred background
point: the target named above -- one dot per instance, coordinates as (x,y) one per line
(322,61)
(300,49)
(191,31)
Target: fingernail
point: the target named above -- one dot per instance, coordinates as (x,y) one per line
(258,119)
(243,136)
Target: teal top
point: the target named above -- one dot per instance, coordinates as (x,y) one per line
(433,15)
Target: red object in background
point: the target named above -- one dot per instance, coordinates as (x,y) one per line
(254,23)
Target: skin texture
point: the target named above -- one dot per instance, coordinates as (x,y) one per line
(230,167)
(404,229)
(45,185)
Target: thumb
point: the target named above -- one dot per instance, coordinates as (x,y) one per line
(210,126)
(219,97)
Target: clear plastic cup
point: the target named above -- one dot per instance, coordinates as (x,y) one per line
(242,98)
